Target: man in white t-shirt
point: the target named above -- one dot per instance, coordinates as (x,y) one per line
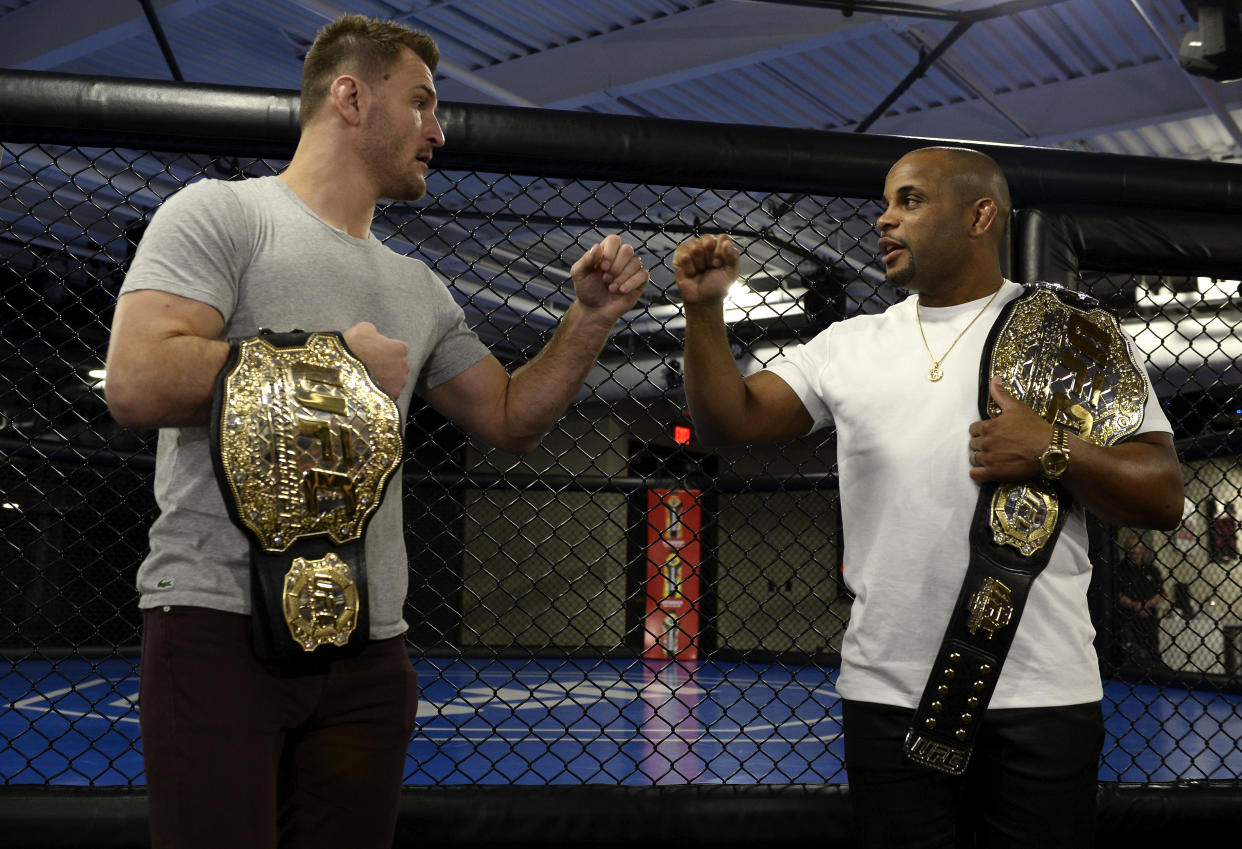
(902,389)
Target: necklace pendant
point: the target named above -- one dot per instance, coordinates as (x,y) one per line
(935,373)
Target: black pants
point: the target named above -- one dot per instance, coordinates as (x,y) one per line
(237,756)
(1031,782)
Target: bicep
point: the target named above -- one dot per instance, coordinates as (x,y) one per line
(1154,448)
(773,410)
(146,317)
(1137,482)
(162,357)
(475,399)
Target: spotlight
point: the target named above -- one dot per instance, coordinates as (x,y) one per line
(1214,49)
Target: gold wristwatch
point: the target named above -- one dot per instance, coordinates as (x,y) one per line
(1055,459)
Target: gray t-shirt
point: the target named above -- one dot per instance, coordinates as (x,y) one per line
(263,259)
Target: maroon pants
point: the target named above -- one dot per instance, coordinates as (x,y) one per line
(239,756)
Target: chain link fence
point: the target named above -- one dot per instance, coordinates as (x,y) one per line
(621,606)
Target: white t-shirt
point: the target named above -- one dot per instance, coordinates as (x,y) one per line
(907,500)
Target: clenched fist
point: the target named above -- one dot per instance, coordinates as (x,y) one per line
(705,268)
(609,277)
(386,358)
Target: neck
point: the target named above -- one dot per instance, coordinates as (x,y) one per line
(961,292)
(324,180)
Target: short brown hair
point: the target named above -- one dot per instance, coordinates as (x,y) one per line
(356,44)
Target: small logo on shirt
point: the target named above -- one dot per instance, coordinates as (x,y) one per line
(164,584)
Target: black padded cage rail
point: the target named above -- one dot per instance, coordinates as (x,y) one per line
(531,587)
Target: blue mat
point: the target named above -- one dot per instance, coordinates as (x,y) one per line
(563,721)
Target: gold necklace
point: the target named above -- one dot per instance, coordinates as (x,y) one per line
(935,373)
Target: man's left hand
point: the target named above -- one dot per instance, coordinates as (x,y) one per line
(1007,446)
(609,278)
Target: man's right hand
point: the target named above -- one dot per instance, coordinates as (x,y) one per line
(705,268)
(386,358)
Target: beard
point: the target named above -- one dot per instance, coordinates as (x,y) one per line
(393,163)
(399,184)
(903,275)
(403,186)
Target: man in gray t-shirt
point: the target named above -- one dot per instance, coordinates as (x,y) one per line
(233,746)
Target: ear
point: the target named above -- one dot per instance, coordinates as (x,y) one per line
(984,214)
(347,94)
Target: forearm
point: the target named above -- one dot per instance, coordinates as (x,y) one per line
(539,392)
(167,383)
(1136,484)
(715,389)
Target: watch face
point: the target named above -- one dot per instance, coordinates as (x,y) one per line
(1053,464)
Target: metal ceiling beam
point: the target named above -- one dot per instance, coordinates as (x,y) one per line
(1070,109)
(912,10)
(978,88)
(964,21)
(698,70)
(481,84)
(1139,123)
(50,33)
(708,39)
(849,7)
(158,30)
(929,58)
(701,70)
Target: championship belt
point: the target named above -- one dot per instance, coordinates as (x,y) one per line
(1066,358)
(303,444)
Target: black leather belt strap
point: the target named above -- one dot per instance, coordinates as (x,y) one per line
(968,664)
(1067,359)
(321,593)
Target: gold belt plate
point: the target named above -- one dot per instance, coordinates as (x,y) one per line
(320,602)
(1072,366)
(991,608)
(307,441)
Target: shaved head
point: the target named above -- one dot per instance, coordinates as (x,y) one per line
(942,232)
(970,175)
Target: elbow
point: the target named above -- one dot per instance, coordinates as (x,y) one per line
(1166,514)
(518,443)
(1171,510)
(713,434)
(131,418)
(524,446)
(711,439)
(128,407)
(708,433)
(122,410)
(1169,524)
(122,390)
